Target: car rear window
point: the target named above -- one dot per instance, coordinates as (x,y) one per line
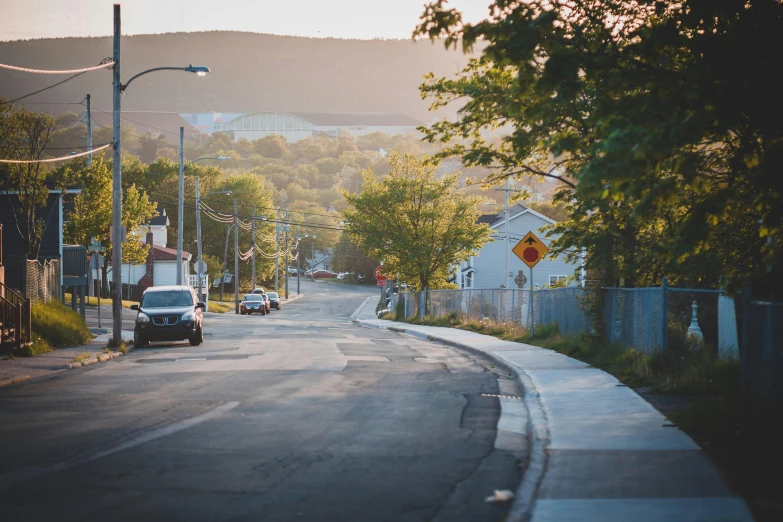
(254,297)
(166,299)
(273,295)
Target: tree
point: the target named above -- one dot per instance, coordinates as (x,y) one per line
(348,257)
(660,118)
(91,216)
(24,136)
(417,224)
(272,146)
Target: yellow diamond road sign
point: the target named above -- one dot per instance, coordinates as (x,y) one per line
(530,250)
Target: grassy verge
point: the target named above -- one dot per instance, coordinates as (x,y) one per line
(684,370)
(221,307)
(93,301)
(58,326)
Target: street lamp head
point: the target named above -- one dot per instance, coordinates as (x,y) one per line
(223,158)
(199,70)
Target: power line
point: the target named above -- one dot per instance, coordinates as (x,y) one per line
(52,160)
(258,218)
(61,148)
(245,205)
(78,73)
(173,133)
(102,65)
(48,103)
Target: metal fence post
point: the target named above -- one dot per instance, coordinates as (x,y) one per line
(665,314)
(613,297)
(745,349)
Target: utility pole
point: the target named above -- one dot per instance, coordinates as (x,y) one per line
(298,250)
(506,213)
(116,192)
(253,244)
(508,239)
(277,251)
(89,132)
(198,239)
(225,262)
(287,254)
(236,258)
(180,203)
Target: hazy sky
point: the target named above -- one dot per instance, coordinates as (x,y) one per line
(23,19)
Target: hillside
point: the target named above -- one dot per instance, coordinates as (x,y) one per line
(249,72)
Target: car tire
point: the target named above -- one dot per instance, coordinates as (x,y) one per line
(139,342)
(198,338)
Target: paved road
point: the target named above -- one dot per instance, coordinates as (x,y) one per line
(297,415)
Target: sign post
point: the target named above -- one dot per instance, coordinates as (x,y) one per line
(95,264)
(380,278)
(530,250)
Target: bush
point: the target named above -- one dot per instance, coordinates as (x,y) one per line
(59,326)
(38,346)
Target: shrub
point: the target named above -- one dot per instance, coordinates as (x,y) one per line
(59,326)
(39,346)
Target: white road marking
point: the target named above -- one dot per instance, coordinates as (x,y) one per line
(33,472)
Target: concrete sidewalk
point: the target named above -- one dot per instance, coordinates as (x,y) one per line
(598,451)
(20,369)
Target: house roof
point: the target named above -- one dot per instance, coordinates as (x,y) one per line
(517,210)
(161,219)
(160,253)
(487,218)
(500,217)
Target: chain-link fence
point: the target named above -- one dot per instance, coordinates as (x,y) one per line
(665,318)
(564,306)
(633,317)
(647,319)
(42,280)
(703,318)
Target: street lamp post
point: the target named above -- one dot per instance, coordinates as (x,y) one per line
(117,89)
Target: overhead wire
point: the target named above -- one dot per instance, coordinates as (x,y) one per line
(225,217)
(104,64)
(78,72)
(52,160)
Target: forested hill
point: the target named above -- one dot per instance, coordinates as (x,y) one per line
(249,72)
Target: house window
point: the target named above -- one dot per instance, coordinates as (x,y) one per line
(554,279)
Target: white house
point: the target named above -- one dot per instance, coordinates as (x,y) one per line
(160,267)
(486,269)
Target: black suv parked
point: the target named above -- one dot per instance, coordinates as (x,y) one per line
(169,313)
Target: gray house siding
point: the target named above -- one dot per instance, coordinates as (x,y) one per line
(490,262)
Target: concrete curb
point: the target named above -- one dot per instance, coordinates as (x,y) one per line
(358,310)
(293,297)
(14,380)
(99,357)
(537,428)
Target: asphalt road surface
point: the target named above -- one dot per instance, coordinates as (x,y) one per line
(297,415)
